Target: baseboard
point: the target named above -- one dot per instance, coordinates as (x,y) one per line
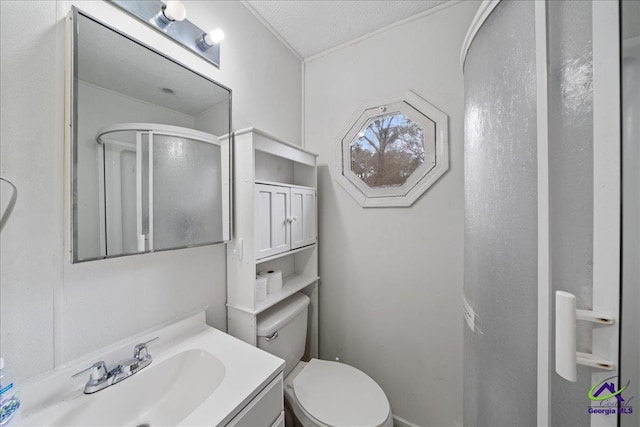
(401,422)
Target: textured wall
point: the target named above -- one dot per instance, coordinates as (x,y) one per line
(30,155)
(391,278)
(52,311)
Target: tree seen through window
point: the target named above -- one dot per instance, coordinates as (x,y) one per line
(387,150)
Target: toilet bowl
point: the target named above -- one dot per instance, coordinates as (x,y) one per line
(332,394)
(320,393)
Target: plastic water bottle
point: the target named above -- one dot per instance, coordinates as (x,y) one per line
(9,399)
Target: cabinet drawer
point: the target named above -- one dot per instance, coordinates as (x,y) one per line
(264,409)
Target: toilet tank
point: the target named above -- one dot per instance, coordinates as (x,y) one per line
(282,330)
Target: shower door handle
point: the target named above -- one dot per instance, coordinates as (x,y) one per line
(567,358)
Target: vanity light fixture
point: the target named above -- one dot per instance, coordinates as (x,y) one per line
(210,39)
(171,12)
(169,18)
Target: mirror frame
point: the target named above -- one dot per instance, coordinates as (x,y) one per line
(72,139)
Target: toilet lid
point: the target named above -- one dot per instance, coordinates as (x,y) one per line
(340,395)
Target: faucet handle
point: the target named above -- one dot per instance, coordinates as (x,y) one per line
(98,371)
(140,351)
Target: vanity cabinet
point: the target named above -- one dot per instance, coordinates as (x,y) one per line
(285,219)
(274,228)
(266,409)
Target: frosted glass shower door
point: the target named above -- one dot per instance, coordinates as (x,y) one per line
(542,212)
(186,192)
(161,187)
(500,239)
(584,209)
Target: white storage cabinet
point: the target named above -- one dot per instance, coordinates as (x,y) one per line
(274,228)
(285,219)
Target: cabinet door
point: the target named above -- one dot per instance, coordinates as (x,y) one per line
(272,209)
(303,217)
(265,409)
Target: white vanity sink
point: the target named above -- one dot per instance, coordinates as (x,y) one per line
(199,376)
(164,394)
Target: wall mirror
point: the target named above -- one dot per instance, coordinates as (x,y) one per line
(150,155)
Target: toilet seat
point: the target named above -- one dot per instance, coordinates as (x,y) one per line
(334,394)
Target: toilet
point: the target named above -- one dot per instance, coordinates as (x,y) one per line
(320,393)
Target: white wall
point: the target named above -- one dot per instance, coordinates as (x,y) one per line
(50,310)
(391,290)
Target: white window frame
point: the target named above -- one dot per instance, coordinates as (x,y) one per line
(436,157)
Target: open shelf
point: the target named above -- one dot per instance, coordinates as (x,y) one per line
(283,254)
(282,184)
(291,285)
(275,146)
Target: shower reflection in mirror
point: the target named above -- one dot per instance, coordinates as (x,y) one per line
(158,187)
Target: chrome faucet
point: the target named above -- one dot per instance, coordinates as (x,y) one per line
(100,378)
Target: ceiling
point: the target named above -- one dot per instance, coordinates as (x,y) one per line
(313,26)
(113,62)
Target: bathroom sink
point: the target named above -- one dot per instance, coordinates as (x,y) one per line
(199,376)
(163,394)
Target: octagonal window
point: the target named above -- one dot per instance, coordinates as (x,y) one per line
(392,153)
(388,149)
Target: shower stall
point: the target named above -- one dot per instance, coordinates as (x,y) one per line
(543,209)
(160,187)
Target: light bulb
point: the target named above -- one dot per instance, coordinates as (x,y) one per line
(213,37)
(174,10)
